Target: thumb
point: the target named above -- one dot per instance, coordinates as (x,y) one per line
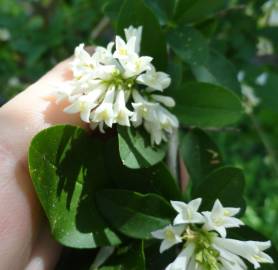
(20,215)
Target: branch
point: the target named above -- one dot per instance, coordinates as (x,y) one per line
(212,129)
(104,22)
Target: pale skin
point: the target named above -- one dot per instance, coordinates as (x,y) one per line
(25,239)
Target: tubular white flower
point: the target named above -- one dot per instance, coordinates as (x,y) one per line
(124,50)
(135,65)
(64,91)
(131,32)
(104,55)
(249,250)
(84,104)
(121,113)
(188,212)
(83,63)
(229,260)
(155,80)
(170,236)
(221,218)
(166,101)
(167,120)
(157,134)
(104,112)
(183,259)
(144,110)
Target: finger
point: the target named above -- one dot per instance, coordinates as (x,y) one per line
(45,253)
(20,119)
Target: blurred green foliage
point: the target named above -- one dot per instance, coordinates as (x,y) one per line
(35,35)
(38,35)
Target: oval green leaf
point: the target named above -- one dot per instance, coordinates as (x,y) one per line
(135,148)
(207,105)
(226,184)
(134,214)
(188,11)
(189,44)
(218,70)
(67,168)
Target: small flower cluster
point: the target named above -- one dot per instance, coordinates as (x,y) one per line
(120,87)
(204,242)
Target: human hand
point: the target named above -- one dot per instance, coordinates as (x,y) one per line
(25,237)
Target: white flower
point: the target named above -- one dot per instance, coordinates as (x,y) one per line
(203,249)
(250,250)
(164,123)
(183,259)
(221,218)
(157,134)
(229,260)
(157,120)
(84,104)
(251,99)
(262,79)
(144,110)
(167,120)
(188,212)
(171,235)
(155,80)
(122,114)
(104,55)
(124,50)
(131,32)
(5,34)
(241,75)
(135,65)
(107,72)
(83,63)
(14,82)
(166,101)
(116,72)
(104,112)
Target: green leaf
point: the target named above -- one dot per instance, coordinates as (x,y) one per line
(155,179)
(136,13)
(188,11)
(127,258)
(200,154)
(135,149)
(134,214)
(218,70)
(226,184)
(189,44)
(163,9)
(66,176)
(111,8)
(175,70)
(207,105)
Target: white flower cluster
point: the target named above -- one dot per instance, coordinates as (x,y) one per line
(204,242)
(120,87)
